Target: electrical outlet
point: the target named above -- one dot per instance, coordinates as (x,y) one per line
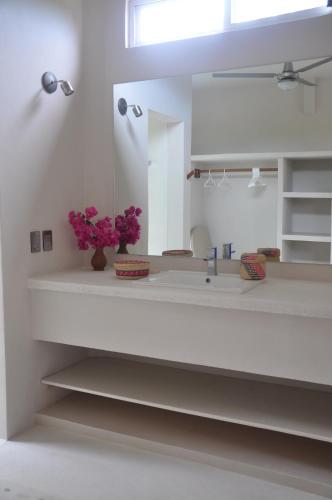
(47,241)
(35,241)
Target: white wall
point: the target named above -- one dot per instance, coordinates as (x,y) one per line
(304,39)
(235,214)
(41,179)
(259,117)
(108,61)
(3,398)
(169,97)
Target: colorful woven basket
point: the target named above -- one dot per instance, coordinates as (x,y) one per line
(178,253)
(253,266)
(271,254)
(131,269)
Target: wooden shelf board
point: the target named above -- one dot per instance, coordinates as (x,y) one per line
(307,261)
(261,156)
(290,410)
(287,460)
(319,238)
(237,157)
(299,194)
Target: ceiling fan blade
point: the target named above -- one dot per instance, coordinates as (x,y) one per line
(305,82)
(243,75)
(314,65)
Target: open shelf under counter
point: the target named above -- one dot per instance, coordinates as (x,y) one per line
(289,460)
(291,410)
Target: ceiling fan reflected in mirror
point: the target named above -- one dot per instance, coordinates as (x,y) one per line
(288,79)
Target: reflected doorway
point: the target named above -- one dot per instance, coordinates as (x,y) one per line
(165,183)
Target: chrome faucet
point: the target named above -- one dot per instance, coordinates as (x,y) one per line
(212,263)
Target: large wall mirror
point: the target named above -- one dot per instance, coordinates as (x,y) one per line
(240,157)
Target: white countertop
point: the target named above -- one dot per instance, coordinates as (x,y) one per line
(277,296)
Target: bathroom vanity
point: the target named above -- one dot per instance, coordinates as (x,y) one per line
(177,356)
(281,328)
(231,373)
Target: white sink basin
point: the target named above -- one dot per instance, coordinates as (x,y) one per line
(230,283)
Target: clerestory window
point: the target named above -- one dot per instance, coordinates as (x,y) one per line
(158,21)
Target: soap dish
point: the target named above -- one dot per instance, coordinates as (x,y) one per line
(131,269)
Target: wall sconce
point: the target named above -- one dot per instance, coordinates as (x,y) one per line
(123,108)
(50,84)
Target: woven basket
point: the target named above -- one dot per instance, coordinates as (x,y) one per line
(253,266)
(178,253)
(131,269)
(271,254)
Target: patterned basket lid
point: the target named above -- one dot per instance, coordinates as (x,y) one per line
(131,265)
(253,257)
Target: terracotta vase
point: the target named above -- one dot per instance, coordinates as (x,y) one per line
(123,247)
(99,261)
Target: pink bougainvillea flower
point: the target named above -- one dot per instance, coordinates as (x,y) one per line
(127,225)
(96,235)
(91,212)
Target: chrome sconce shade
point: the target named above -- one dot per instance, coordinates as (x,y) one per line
(50,84)
(123,108)
(66,87)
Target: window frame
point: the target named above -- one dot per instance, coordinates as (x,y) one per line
(228,25)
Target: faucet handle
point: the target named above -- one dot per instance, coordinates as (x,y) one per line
(212,253)
(227,251)
(212,262)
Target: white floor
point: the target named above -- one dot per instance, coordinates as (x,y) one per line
(50,464)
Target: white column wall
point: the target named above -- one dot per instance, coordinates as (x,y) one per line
(41,179)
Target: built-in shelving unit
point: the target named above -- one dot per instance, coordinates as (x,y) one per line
(304,201)
(305,208)
(286,409)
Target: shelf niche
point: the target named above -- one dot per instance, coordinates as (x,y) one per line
(308,175)
(307,216)
(291,410)
(306,252)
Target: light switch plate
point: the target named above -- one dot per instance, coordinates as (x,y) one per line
(35,241)
(47,241)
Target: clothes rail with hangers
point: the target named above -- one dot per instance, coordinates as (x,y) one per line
(197,172)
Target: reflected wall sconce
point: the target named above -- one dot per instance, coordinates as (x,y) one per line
(123,108)
(50,84)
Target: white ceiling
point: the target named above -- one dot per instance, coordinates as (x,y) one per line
(206,79)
